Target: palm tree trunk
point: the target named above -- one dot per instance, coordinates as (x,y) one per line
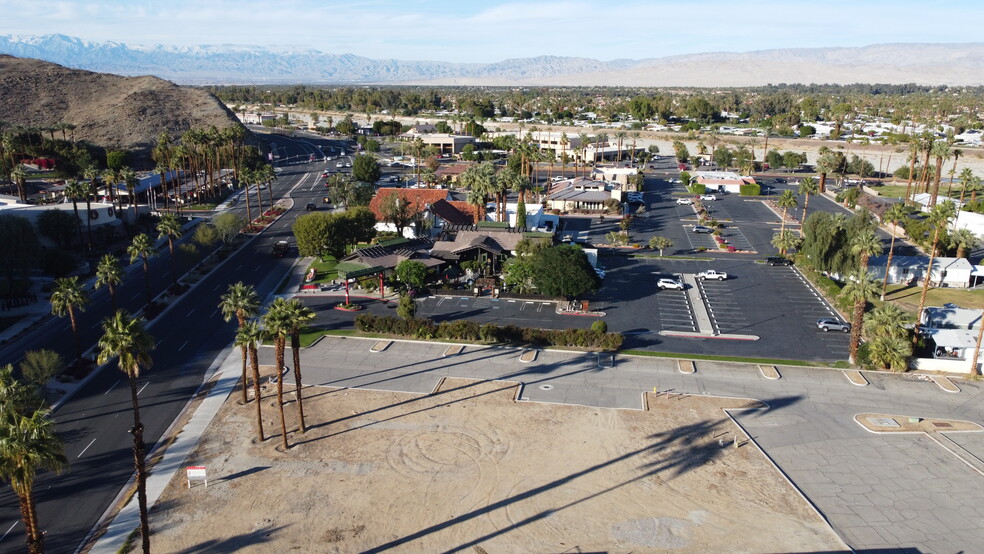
(279,350)
(245,382)
(35,540)
(75,334)
(88,220)
(146,268)
(912,170)
(255,363)
(174,271)
(856,321)
(823,182)
(295,348)
(138,460)
(936,181)
(926,280)
(888,264)
(806,202)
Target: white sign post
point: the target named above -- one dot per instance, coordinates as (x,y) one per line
(197,473)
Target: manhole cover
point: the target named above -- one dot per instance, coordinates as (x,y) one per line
(942,424)
(546,387)
(884,422)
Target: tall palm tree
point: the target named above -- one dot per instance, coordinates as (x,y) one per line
(74,192)
(28,444)
(941,150)
(896,213)
(963,240)
(19,176)
(143,247)
(807,187)
(865,245)
(248,337)
(109,274)
(955,153)
(241,302)
(785,241)
(860,288)
(88,190)
(939,217)
(278,324)
(124,338)
(786,201)
(977,351)
(131,181)
(170,226)
(67,297)
(966,178)
(297,315)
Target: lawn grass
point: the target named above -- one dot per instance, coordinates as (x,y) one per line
(907,297)
(713,358)
(312,334)
(324,270)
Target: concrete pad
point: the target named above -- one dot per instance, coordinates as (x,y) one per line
(453,350)
(944,383)
(687,366)
(528,355)
(380,345)
(856,378)
(769,372)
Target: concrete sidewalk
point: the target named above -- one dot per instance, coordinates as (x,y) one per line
(226,375)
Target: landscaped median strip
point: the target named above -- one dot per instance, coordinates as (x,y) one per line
(453,350)
(380,345)
(855,378)
(687,366)
(769,372)
(528,355)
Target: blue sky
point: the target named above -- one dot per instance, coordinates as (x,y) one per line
(476,31)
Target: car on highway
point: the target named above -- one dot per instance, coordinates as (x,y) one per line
(701,229)
(712,274)
(684,201)
(672,284)
(708,197)
(833,324)
(778,260)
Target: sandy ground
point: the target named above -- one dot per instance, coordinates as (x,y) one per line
(469,469)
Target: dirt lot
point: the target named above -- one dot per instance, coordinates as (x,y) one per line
(470,469)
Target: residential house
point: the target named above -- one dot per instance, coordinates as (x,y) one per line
(487,243)
(443,143)
(382,259)
(451,173)
(579,194)
(946,271)
(432,209)
(620,175)
(953,332)
(721,181)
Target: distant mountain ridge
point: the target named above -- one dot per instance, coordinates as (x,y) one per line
(928,64)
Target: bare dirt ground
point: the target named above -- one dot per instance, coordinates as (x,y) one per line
(469,469)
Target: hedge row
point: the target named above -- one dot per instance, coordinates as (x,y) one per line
(489,332)
(750,190)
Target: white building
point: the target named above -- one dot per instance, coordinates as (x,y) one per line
(947,272)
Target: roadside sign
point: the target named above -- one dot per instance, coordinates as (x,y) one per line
(197,473)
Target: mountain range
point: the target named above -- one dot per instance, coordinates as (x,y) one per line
(925,64)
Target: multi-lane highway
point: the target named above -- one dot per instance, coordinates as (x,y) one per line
(95,422)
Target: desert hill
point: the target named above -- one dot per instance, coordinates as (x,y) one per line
(107,110)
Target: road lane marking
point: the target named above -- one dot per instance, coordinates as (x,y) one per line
(12,525)
(142,388)
(191,312)
(182,346)
(112,387)
(135,296)
(86,448)
(213,313)
(217,287)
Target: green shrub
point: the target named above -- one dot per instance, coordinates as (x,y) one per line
(750,190)
(599,326)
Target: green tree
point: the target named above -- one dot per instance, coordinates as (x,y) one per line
(963,240)
(894,214)
(109,273)
(40,366)
(660,243)
(170,226)
(859,289)
(143,247)
(807,186)
(277,322)
(19,247)
(241,302)
(249,336)
(784,241)
(885,327)
(125,339)
(563,270)
(296,316)
(787,200)
(67,297)
(939,217)
(365,168)
(74,191)
(864,245)
(407,308)
(521,213)
(28,444)
(399,212)
(228,225)
(412,272)
(57,225)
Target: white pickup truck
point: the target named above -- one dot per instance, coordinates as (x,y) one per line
(712,274)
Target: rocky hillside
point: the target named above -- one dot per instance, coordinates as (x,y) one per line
(107,110)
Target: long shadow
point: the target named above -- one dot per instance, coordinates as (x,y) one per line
(774,404)
(235,543)
(689,456)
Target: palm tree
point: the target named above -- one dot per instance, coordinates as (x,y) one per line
(297,315)
(896,213)
(74,192)
(860,288)
(977,351)
(886,329)
(241,302)
(963,240)
(28,444)
(786,201)
(131,181)
(170,226)
(142,247)
(88,190)
(110,274)
(248,337)
(807,186)
(967,180)
(277,322)
(124,338)
(19,176)
(941,150)
(864,245)
(939,217)
(67,297)
(785,241)
(956,153)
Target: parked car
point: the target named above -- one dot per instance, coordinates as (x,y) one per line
(666,283)
(778,260)
(708,197)
(684,201)
(339,164)
(311,207)
(712,274)
(348,164)
(833,324)
(702,229)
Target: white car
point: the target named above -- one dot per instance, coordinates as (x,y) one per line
(708,197)
(669,284)
(684,201)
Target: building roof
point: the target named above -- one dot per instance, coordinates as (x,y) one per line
(580,195)
(457,240)
(954,338)
(602,170)
(920,262)
(450,213)
(389,254)
(951,317)
(421,199)
(468,209)
(452,169)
